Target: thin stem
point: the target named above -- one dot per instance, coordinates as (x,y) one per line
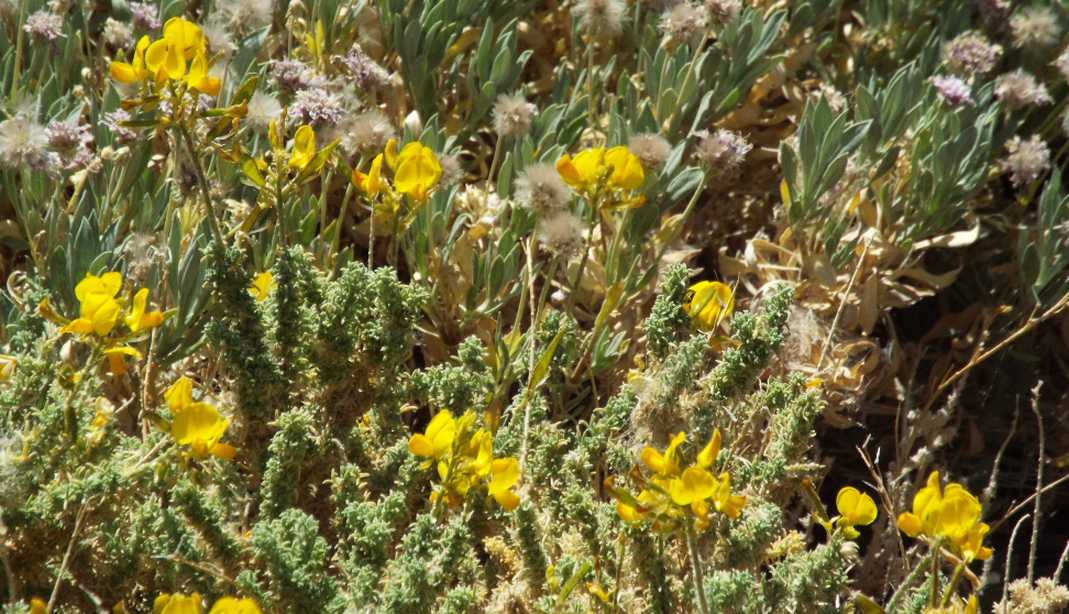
(696,565)
(949,592)
(67,556)
(933,594)
(918,569)
(18,49)
(202,180)
(842,305)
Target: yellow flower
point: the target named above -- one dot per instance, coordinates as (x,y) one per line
(709,303)
(371,183)
(708,454)
(232,605)
(116,358)
(505,473)
(138,319)
(726,503)
(665,464)
(304,148)
(185,37)
(7,366)
(416,170)
(695,484)
(951,513)
(436,441)
(177,604)
(38,606)
(133,72)
(855,509)
(262,285)
(99,309)
(617,165)
(957,606)
(196,424)
(199,79)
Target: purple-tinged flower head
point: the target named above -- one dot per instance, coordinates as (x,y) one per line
(952,90)
(1025,160)
(971,54)
(292,75)
(145,16)
(44,26)
(24,145)
(113,121)
(316,106)
(721,152)
(1020,89)
(364,72)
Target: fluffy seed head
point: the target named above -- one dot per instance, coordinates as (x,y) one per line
(541,189)
(452,171)
(1062,64)
(682,23)
(263,108)
(512,115)
(117,34)
(561,233)
(601,17)
(24,144)
(723,11)
(970,54)
(651,149)
(1035,26)
(243,16)
(1026,160)
(1019,89)
(367,133)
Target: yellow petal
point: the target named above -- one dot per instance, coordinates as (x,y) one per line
(123,72)
(179,394)
(304,147)
(421,446)
(910,524)
(507,499)
(184,36)
(694,485)
(231,605)
(391,153)
(856,507)
(505,473)
(708,454)
(708,303)
(177,604)
(198,425)
(568,172)
(627,170)
(262,285)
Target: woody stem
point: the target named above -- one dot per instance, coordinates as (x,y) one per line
(696,566)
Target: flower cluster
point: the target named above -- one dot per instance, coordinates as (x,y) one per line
(949,515)
(101,310)
(604,176)
(671,492)
(181,57)
(463,456)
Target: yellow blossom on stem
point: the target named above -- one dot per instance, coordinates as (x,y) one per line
(117,358)
(138,318)
(196,424)
(135,71)
(952,514)
(100,309)
(709,303)
(262,285)
(371,183)
(416,170)
(855,509)
(177,604)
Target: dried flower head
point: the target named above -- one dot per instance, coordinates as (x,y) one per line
(541,189)
(1062,63)
(1026,160)
(682,23)
(24,145)
(970,54)
(71,141)
(117,34)
(1035,26)
(262,108)
(720,153)
(952,90)
(243,16)
(512,115)
(723,11)
(1046,597)
(562,234)
(1019,89)
(652,150)
(317,106)
(367,132)
(452,171)
(365,73)
(601,17)
(218,37)
(44,25)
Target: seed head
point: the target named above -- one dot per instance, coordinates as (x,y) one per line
(1035,26)
(562,234)
(263,108)
(682,23)
(512,115)
(541,189)
(601,17)
(367,133)
(1020,89)
(1026,160)
(651,149)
